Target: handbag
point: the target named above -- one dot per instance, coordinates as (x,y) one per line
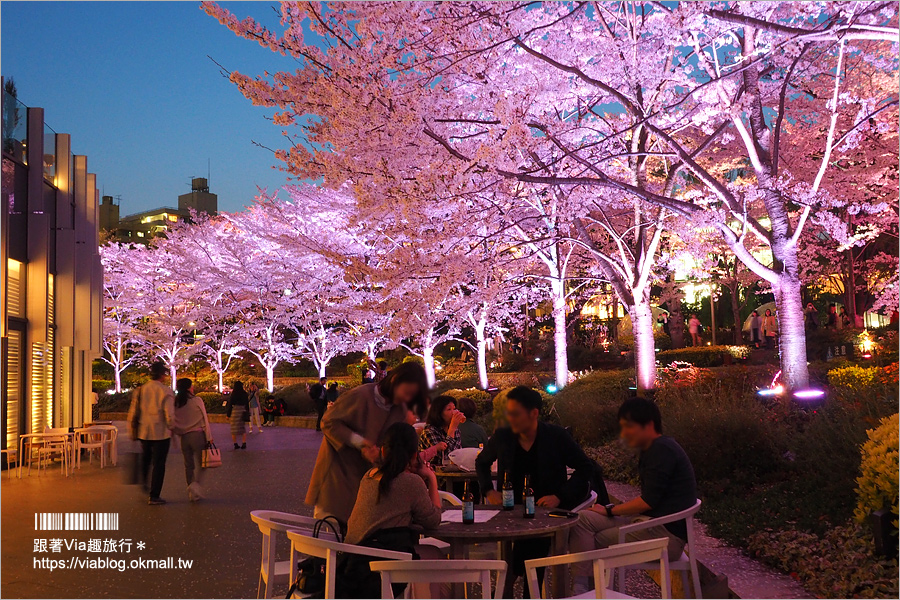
(246,416)
(311,571)
(212,456)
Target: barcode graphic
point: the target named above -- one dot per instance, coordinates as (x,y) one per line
(76,521)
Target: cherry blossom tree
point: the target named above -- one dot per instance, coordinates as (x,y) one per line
(122,312)
(397,97)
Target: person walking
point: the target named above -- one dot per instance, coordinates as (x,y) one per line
(317,393)
(770,328)
(254,408)
(694,329)
(238,405)
(192,424)
(353,430)
(755,329)
(151,417)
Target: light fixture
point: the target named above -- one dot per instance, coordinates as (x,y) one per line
(551,388)
(809,394)
(537,359)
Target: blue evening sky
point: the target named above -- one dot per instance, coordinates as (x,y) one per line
(132,83)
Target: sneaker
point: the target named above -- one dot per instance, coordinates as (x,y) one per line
(243,446)
(194,492)
(156,501)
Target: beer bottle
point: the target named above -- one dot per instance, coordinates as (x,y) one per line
(528,495)
(507,492)
(468,506)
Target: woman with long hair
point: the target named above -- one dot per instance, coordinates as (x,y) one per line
(191,423)
(353,431)
(442,428)
(237,411)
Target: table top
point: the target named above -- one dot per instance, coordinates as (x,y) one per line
(454,472)
(506,525)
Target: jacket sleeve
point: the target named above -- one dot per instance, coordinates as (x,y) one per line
(577,487)
(484,461)
(131,411)
(339,422)
(169,409)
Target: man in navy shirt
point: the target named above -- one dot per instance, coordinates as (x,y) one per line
(667,487)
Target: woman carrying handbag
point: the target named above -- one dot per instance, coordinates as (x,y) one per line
(192,425)
(238,412)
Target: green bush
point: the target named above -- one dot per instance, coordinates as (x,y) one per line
(618,461)
(213,401)
(839,564)
(625,341)
(589,405)
(296,400)
(101,385)
(878,483)
(120,402)
(356,371)
(703,356)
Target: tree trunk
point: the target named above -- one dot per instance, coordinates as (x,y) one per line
(644,343)
(428,357)
(221,375)
(322,366)
(736,313)
(270,377)
(559,334)
(482,362)
(118,379)
(791,332)
(173,372)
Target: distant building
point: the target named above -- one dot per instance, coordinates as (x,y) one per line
(51,280)
(142,226)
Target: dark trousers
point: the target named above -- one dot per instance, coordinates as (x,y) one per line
(523,550)
(155,453)
(321,405)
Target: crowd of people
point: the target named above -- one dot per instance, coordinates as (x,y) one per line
(374,472)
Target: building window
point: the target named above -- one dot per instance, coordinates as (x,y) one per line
(14,289)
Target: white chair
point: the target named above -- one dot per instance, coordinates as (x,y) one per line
(688,560)
(441,571)
(92,439)
(328,549)
(440,544)
(605,560)
(591,500)
(270,523)
(12,456)
(55,441)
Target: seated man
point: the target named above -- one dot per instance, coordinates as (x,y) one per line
(528,446)
(667,487)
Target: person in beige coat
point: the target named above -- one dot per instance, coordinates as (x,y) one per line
(150,418)
(353,429)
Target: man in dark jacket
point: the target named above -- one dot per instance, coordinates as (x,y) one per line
(317,392)
(528,446)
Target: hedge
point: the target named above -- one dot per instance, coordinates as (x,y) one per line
(703,356)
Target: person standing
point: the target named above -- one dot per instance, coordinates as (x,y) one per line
(832,317)
(353,430)
(331,394)
(663,319)
(192,424)
(755,329)
(770,328)
(843,319)
(668,486)
(317,393)
(151,418)
(254,407)
(379,370)
(694,329)
(811,317)
(238,405)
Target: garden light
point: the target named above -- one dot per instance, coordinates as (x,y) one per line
(809,394)
(551,388)
(537,359)
(769,392)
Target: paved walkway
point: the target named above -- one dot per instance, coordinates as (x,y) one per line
(216,534)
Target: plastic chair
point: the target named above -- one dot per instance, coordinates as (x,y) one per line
(605,560)
(12,456)
(54,444)
(270,523)
(323,548)
(441,545)
(93,440)
(688,560)
(591,500)
(441,571)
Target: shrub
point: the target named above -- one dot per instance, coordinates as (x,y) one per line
(101,385)
(619,462)
(296,400)
(625,341)
(878,485)
(479,396)
(213,401)
(704,356)
(120,402)
(853,377)
(510,361)
(590,404)
(839,564)
(356,372)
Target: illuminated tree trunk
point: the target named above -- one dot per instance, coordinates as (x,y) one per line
(559,333)
(428,358)
(221,376)
(482,361)
(644,342)
(791,333)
